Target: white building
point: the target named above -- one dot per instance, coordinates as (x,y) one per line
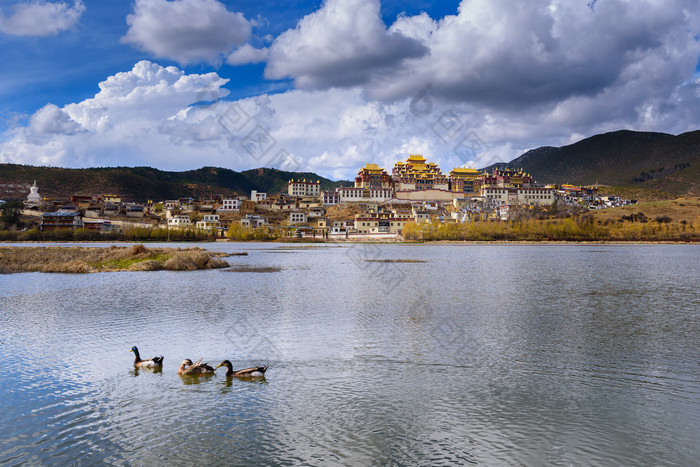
(230,204)
(525,195)
(179,221)
(304,188)
(209,222)
(253,221)
(341,227)
(330,197)
(257,197)
(536,195)
(299,217)
(351,194)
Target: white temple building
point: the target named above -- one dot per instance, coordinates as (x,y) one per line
(34,197)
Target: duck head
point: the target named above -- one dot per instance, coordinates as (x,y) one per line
(225,363)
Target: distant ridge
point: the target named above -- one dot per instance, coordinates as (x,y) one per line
(144,183)
(652,161)
(667,165)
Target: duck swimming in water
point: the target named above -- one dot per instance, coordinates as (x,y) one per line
(252,372)
(155,362)
(197,368)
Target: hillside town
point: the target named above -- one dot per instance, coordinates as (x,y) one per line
(377,204)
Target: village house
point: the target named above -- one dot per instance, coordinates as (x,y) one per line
(111,199)
(209,222)
(230,205)
(257,197)
(247,207)
(82,201)
(421,215)
(304,188)
(380,222)
(171,204)
(94,210)
(179,221)
(253,222)
(298,217)
(99,225)
(315,212)
(60,220)
(110,210)
(342,227)
(330,198)
(134,210)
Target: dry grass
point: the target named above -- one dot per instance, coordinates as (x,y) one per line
(682,209)
(84,260)
(342,213)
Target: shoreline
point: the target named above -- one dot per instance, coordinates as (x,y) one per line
(19,244)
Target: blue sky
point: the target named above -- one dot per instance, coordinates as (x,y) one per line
(67,67)
(330,85)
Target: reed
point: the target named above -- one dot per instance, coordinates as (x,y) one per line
(581,228)
(85,260)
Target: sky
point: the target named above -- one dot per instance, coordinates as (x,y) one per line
(328,86)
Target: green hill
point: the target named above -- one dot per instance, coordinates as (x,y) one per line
(144,183)
(633,161)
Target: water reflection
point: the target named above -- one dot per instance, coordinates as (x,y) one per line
(137,370)
(231,380)
(189,380)
(483,354)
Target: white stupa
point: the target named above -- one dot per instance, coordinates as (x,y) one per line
(34,197)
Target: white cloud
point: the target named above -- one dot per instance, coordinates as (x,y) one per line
(120,124)
(50,120)
(247,54)
(342,44)
(497,53)
(501,78)
(41,18)
(146,116)
(187,31)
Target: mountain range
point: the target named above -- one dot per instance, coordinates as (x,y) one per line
(656,162)
(144,183)
(637,164)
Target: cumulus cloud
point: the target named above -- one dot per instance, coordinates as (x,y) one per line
(344,43)
(119,124)
(50,120)
(247,54)
(166,118)
(41,18)
(500,53)
(149,116)
(186,31)
(500,78)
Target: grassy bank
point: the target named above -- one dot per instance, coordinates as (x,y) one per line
(137,234)
(84,260)
(655,221)
(580,229)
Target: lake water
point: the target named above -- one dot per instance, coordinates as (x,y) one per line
(478,354)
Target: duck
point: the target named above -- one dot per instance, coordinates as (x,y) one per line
(197,368)
(252,372)
(155,362)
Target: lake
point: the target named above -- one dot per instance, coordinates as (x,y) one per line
(488,354)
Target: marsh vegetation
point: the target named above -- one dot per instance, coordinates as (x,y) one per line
(114,258)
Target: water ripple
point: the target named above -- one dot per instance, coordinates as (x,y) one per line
(408,364)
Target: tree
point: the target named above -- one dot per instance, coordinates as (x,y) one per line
(11,212)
